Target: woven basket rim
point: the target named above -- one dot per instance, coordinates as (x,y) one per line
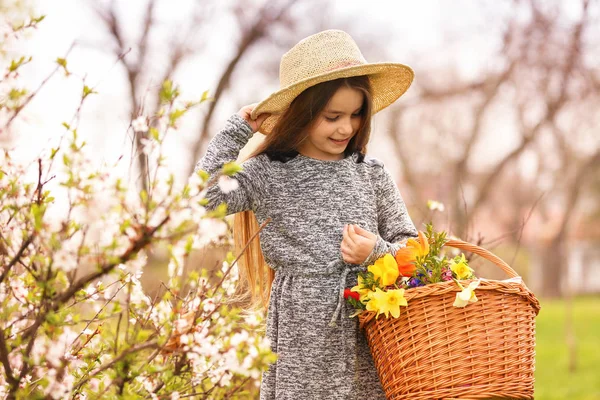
(440,288)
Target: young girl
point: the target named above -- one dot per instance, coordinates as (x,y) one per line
(333,211)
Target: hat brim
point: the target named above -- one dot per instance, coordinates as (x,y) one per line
(389,81)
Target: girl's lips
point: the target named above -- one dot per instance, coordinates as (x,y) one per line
(340,142)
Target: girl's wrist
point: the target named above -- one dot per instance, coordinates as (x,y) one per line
(241,123)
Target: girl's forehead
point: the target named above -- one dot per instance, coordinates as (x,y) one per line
(345,100)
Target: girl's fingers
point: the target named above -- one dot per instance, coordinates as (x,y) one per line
(363,232)
(348,258)
(357,239)
(345,249)
(346,236)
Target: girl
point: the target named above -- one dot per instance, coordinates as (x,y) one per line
(333,211)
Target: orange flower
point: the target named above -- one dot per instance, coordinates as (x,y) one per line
(407,256)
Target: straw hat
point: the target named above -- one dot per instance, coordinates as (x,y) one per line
(326,56)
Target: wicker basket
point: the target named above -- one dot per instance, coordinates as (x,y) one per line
(437,351)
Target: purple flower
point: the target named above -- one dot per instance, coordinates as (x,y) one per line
(447,275)
(414,282)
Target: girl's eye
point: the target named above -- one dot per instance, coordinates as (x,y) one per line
(335,119)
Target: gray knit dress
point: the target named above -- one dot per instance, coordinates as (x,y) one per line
(322,354)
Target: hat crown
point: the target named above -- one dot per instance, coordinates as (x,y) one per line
(322,52)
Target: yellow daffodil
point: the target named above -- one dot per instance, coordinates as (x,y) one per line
(467,295)
(386,269)
(387,302)
(373,304)
(461,268)
(361,290)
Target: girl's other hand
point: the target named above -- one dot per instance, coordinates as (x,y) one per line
(245,113)
(357,244)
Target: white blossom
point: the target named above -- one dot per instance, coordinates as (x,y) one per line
(211,229)
(137,295)
(227,184)
(59,389)
(148,145)
(94,384)
(140,124)
(18,289)
(435,205)
(2,291)
(238,338)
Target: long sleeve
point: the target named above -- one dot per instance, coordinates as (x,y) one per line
(394,223)
(225,147)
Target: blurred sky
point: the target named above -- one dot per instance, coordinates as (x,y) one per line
(424,33)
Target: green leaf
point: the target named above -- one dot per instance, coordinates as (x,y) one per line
(16,64)
(154,134)
(230,257)
(231,168)
(204,96)
(16,94)
(204,175)
(168,92)
(87,91)
(175,115)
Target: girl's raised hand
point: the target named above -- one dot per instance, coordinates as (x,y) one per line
(357,244)
(245,113)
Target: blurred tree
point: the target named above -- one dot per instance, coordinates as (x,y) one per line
(252,25)
(544,83)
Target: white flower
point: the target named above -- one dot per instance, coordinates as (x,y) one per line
(253,319)
(181,325)
(239,338)
(91,292)
(60,390)
(94,384)
(435,206)
(140,124)
(208,305)
(64,260)
(253,351)
(18,289)
(467,295)
(2,292)
(148,145)
(226,379)
(228,184)
(175,396)
(137,296)
(211,229)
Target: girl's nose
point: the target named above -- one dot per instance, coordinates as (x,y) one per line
(346,127)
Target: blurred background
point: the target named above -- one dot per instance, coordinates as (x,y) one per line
(501,125)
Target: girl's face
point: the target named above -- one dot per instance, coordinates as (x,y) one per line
(335,126)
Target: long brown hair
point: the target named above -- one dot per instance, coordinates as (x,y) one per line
(290,131)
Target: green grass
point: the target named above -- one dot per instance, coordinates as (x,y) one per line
(553,381)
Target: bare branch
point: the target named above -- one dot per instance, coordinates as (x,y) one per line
(267,17)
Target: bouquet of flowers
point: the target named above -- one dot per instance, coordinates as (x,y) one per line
(381,288)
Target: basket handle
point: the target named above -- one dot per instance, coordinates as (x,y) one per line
(459,244)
